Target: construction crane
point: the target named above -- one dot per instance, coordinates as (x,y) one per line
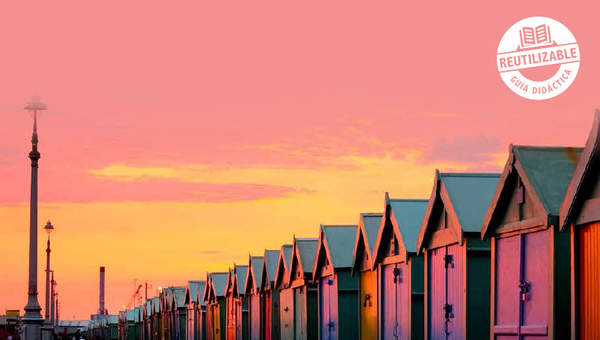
(137,296)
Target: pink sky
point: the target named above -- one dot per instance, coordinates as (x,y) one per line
(179,135)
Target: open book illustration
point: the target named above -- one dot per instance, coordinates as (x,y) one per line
(539,35)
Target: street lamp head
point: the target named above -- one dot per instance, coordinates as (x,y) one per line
(35,104)
(48,228)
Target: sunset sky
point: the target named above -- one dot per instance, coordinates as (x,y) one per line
(182,136)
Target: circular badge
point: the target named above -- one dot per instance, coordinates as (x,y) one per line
(538,58)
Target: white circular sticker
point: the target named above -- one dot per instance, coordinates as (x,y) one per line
(538,58)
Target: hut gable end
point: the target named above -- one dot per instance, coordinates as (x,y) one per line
(532,186)
(581,203)
(458,205)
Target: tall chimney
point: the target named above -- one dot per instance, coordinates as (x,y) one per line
(101,310)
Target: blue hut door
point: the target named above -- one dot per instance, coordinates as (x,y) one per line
(327,305)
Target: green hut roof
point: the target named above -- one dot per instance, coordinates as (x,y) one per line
(156,304)
(219,283)
(241,272)
(307,249)
(270,264)
(549,170)
(470,194)
(257,263)
(408,214)
(370,223)
(338,241)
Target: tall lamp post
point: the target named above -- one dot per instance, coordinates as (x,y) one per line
(53,299)
(32,319)
(48,326)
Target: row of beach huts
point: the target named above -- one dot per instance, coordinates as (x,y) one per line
(503,256)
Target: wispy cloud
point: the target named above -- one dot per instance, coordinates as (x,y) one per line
(463,149)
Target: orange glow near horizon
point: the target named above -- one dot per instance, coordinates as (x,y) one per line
(180,139)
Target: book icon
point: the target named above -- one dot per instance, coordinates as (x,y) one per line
(535,36)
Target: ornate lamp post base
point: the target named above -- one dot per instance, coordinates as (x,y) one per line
(47,330)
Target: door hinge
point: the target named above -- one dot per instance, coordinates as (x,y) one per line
(449,261)
(448,313)
(397,275)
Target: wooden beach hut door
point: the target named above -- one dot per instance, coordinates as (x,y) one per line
(395,307)
(231,318)
(300,313)
(255,316)
(328,308)
(446,292)
(368,302)
(286,303)
(521,286)
(238,318)
(265,316)
(588,283)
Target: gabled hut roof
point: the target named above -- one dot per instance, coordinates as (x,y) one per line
(148,308)
(303,257)
(193,291)
(217,283)
(130,314)
(241,272)
(269,268)
(254,273)
(584,176)
(545,172)
(178,297)
(466,197)
(336,244)
(366,235)
(156,305)
(283,264)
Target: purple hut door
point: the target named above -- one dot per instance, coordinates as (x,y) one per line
(389,307)
(446,293)
(506,296)
(436,322)
(454,312)
(324,292)
(401,273)
(521,294)
(534,295)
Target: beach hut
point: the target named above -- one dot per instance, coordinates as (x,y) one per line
(286,294)
(363,266)
(300,279)
(237,304)
(530,258)
(166,300)
(252,293)
(580,216)
(194,316)
(179,313)
(156,318)
(338,288)
(457,261)
(269,297)
(138,322)
(130,324)
(401,269)
(216,307)
(148,320)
